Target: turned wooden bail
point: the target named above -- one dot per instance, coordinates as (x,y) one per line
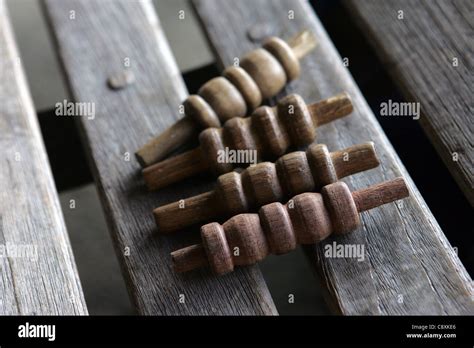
(267,182)
(261,74)
(267,134)
(308,218)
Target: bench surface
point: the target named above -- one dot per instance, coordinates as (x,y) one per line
(38,275)
(93,47)
(429,55)
(409,267)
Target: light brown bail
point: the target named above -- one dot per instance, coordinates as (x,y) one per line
(268,131)
(262,74)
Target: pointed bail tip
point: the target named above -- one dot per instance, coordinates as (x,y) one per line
(367,149)
(341,104)
(188,258)
(400,187)
(380,194)
(152,152)
(303,43)
(304,37)
(159,215)
(358,158)
(176,261)
(355,159)
(370,147)
(140,159)
(370,154)
(344,99)
(331,109)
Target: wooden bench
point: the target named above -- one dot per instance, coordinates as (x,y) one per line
(410,267)
(432,68)
(38,274)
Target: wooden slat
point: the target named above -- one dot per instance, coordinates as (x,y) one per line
(41,279)
(92,47)
(419,52)
(409,266)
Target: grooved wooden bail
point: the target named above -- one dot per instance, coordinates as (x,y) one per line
(277,229)
(267,182)
(267,134)
(262,73)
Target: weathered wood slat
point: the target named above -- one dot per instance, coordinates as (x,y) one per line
(38,274)
(409,266)
(429,54)
(92,47)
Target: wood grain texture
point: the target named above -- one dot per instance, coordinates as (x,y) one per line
(38,275)
(407,255)
(418,51)
(91,47)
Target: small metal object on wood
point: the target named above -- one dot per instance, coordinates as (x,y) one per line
(267,133)
(259,75)
(307,218)
(121,80)
(267,182)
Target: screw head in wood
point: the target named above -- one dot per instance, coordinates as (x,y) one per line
(121,80)
(260,31)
